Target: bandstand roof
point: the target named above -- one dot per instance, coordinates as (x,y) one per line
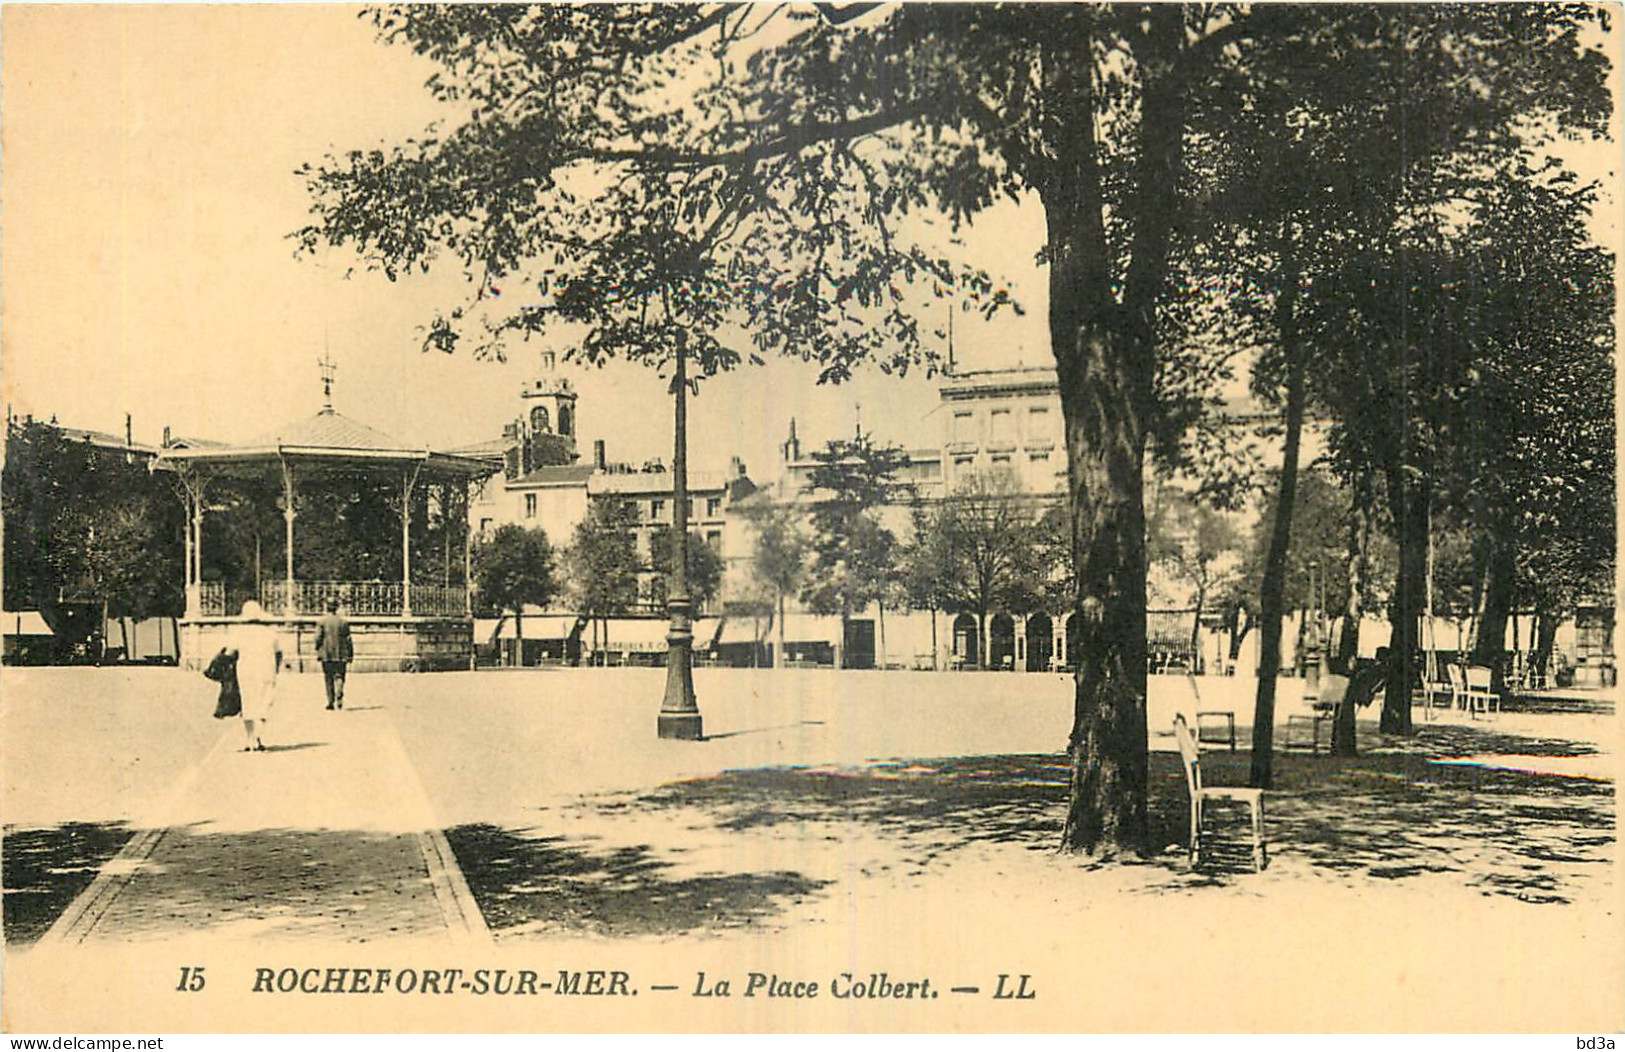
(326,439)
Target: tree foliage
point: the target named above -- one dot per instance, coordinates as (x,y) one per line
(980,550)
(514,569)
(853,559)
(704,565)
(88,524)
(737,177)
(602,561)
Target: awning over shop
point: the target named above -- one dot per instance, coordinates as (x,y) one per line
(810,628)
(25,623)
(744,630)
(647,635)
(537,627)
(632,634)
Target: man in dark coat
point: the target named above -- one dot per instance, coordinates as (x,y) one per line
(334,651)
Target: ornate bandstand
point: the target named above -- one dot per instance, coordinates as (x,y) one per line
(403,623)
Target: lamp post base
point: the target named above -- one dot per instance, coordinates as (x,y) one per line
(680,726)
(679,709)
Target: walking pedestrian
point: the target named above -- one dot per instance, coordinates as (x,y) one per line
(259,660)
(335,651)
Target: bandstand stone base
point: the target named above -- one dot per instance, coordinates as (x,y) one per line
(382,644)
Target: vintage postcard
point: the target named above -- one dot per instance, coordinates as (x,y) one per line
(810,517)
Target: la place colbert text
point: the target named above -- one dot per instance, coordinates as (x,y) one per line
(503,982)
(871,986)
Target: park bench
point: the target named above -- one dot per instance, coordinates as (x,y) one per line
(1200,795)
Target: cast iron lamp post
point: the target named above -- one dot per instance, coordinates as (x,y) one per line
(680,710)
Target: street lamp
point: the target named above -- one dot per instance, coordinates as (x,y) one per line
(680,710)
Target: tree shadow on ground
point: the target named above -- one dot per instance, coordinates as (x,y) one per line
(1395,815)
(549,883)
(43,870)
(1388,814)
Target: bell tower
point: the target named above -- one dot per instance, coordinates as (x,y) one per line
(546,428)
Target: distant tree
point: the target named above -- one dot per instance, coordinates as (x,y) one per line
(778,559)
(704,565)
(1199,545)
(988,537)
(45,474)
(602,561)
(87,524)
(927,570)
(512,569)
(851,479)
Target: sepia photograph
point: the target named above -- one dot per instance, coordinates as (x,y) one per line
(787,518)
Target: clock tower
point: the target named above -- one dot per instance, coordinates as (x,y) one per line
(546,428)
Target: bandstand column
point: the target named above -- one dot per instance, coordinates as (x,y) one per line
(468,547)
(408,482)
(194,600)
(288,515)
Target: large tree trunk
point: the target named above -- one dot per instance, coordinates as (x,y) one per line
(1489,649)
(880,607)
(1545,641)
(1410,503)
(1196,632)
(778,631)
(1272,593)
(1106,359)
(1240,624)
(983,643)
(1348,644)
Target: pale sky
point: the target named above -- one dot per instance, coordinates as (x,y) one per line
(149,189)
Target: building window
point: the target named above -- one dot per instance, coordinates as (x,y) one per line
(713,540)
(1039,458)
(657,511)
(538,418)
(964,427)
(964,462)
(485,527)
(530,505)
(1002,458)
(1002,429)
(567,420)
(713,507)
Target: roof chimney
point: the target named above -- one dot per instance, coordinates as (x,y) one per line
(598,454)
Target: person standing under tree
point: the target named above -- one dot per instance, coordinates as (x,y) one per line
(335,651)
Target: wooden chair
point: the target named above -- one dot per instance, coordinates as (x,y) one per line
(1216,725)
(1441,694)
(1324,709)
(1477,695)
(1200,795)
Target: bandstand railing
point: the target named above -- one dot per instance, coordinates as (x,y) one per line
(356,599)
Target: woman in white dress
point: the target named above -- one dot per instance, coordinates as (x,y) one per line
(259,659)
